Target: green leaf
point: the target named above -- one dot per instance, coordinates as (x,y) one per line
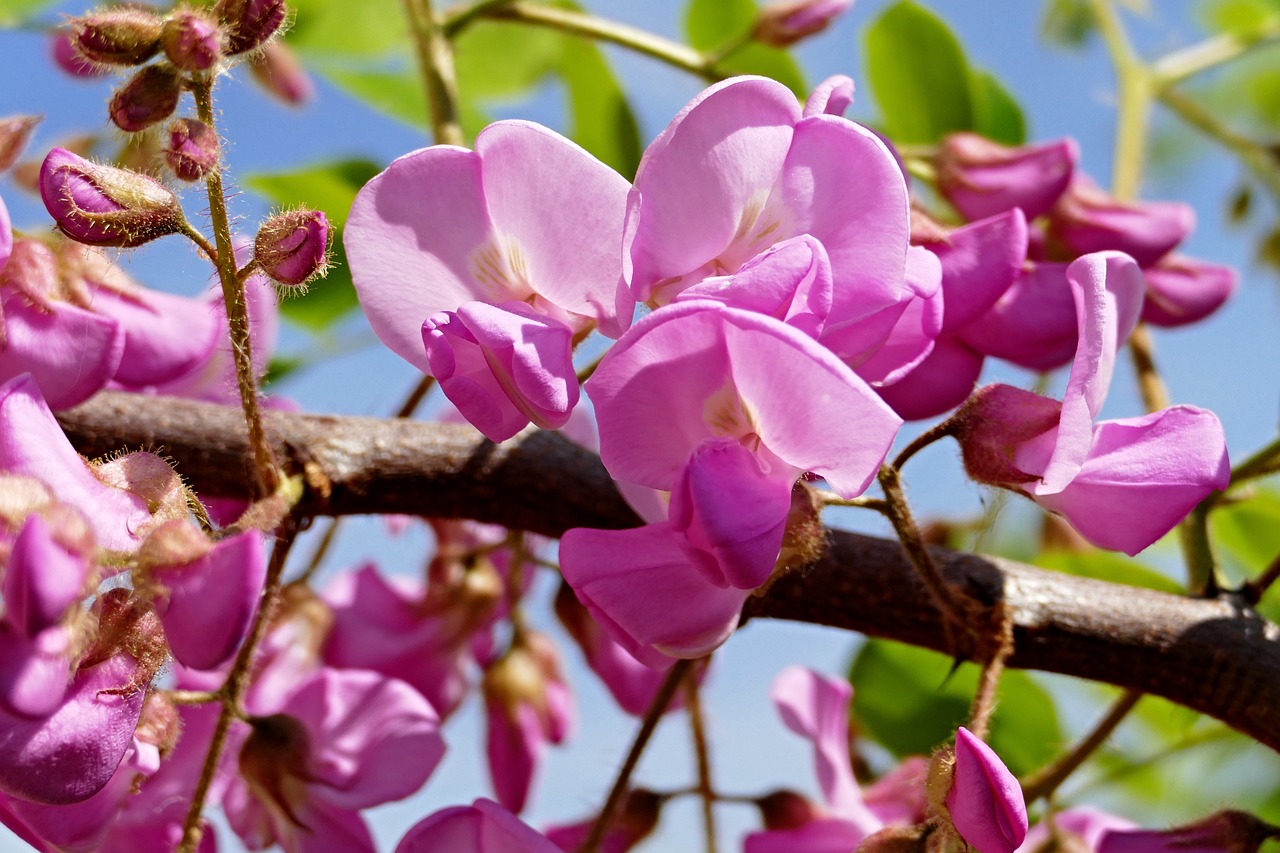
(1068,23)
(918,75)
(395,93)
(330,187)
(710,24)
(329,28)
(1107,566)
(1248,533)
(14,12)
(996,115)
(528,55)
(601,119)
(904,700)
(1239,16)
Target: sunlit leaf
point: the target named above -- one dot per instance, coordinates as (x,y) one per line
(996,115)
(330,187)
(14,12)
(601,119)
(905,701)
(1069,23)
(918,75)
(328,27)
(1107,566)
(1239,16)
(1248,532)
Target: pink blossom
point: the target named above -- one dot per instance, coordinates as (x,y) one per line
(482,827)
(785,22)
(985,801)
(1122,484)
(1085,823)
(983,178)
(1182,290)
(1088,219)
(445,226)
(742,168)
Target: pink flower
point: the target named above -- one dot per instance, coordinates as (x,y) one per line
(444,227)
(742,168)
(1182,290)
(782,24)
(1085,823)
(482,827)
(1088,219)
(984,800)
(1122,484)
(983,178)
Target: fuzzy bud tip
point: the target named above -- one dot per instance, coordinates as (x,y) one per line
(103,206)
(293,247)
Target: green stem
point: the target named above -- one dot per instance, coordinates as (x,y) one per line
(621,784)
(435,60)
(457,19)
(1260,464)
(671,52)
(235,685)
(1219,50)
(237,311)
(1260,157)
(1134,91)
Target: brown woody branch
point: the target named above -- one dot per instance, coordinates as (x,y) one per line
(1215,656)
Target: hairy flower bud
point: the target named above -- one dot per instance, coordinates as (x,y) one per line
(15,133)
(293,247)
(277,70)
(62,47)
(785,23)
(192,151)
(191,41)
(250,23)
(149,97)
(120,36)
(104,206)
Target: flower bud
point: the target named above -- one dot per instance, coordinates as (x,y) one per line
(62,47)
(277,70)
(1089,219)
(971,786)
(785,23)
(15,133)
(120,36)
(150,96)
(192,152)
(293,247)
(191,41)
(1228,831)
(982,178)
(249,22)
(104,206)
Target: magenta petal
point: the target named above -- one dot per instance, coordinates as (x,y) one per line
(912,337)
(639,586)
(571,259)
(817,708)
(702,184)
(32,443)
(732,511)
(1084,822)
(34,671)
(1142,477)
(6,235)
(71,352)
(503,366)
(1183,290)
(41,579)
(979,263)
(1087,219)
(212,600)
(71,754)
(982,178)
(942,381)
(414,239)
(515,745)
(985,800)
(832,97)
(1108,290)
(825,835)
(166,336)
(1033,324)
(841,185)
(374,739)
(482,827)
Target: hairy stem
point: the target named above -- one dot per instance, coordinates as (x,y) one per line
(237,682)
(671,52)
(654,713)
(264,465)
(984,698)
(435,60)
(1046,780)
(697,724)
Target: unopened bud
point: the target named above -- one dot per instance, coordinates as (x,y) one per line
(983,178)
(15,133)
(149,97)
(191,41)
(279,72)
(120,36)
(274,761)
(192,152)
(293,247)
(62,47)
(1228,831)
(785,23)
(249,23)
(980,797)
(104,206)
(783,809)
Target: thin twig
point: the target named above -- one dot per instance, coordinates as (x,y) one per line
(1261,157)
(1253,590)
(984,698)
(923,440)
(1211,53)
(435,61)
(1046,780)
(620,785)
(237,682)
(697,725)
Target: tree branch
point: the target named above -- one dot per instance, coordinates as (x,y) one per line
(1216,656)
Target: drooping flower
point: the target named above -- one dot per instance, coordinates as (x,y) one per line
(445,227)
(482,827)
(982,178)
